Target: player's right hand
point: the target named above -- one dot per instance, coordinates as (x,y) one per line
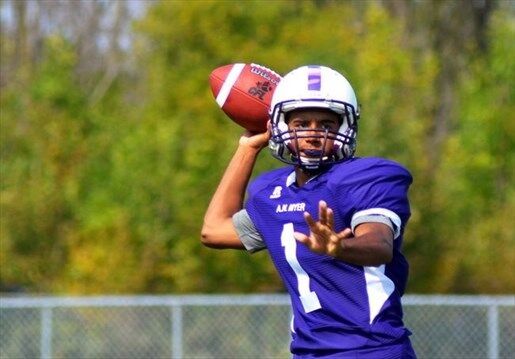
(254,140)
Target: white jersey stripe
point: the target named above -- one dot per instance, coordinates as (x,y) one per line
(229,83)
(379,289)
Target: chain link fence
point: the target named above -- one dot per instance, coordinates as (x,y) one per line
(228,326)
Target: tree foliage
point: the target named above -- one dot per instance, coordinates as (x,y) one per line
(107,166)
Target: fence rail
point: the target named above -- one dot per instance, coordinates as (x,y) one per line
(230,326)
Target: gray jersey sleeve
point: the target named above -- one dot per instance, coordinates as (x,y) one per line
(378,215)
(248,234)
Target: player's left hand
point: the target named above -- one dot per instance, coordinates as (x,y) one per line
(322,237)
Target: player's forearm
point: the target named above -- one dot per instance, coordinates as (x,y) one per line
(228,198)
(372,245)
(365,251)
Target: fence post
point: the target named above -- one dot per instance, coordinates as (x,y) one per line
(46,333)
(176,339)
(493,331)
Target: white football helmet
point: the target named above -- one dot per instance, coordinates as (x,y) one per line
(316,87)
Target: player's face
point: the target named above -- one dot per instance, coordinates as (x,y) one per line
(311,128)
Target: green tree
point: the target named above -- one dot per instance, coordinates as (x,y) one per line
(476,179)
(42,131)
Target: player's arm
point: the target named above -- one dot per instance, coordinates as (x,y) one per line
(218,230)
(371,245)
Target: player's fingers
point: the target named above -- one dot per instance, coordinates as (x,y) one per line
(334,238)
(309,241)
(322,212)
(309,220)
(330,218)
(346,233)
(301,237)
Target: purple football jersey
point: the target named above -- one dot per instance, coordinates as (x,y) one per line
(337,307)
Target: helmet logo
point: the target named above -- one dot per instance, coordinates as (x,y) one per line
(260,89)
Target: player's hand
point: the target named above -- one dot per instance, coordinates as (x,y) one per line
(322,237)
(254,140)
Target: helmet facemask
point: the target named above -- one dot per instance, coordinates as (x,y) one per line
(284,143)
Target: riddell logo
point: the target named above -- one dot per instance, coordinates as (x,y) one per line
(260,89)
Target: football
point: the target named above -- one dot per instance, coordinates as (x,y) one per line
(244,93)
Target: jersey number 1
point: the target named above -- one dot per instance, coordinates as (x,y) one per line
(308,298)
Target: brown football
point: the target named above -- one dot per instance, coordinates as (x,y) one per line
(244,93)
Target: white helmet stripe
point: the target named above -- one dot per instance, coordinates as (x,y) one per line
(228,83)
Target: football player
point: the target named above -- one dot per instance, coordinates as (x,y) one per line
(332,223)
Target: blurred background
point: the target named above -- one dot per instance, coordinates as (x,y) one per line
(112,144)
